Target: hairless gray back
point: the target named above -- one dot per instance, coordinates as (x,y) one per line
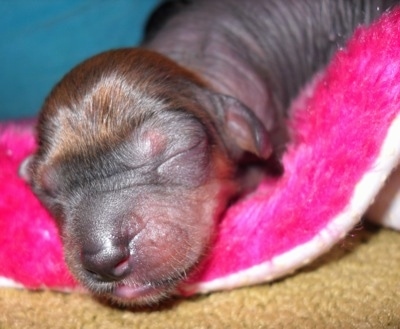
(246,49)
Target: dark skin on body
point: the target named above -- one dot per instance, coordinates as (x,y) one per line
(140,150)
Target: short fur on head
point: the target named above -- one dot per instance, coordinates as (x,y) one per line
(132,165)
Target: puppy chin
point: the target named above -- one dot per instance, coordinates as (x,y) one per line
(145,295)
(127,294)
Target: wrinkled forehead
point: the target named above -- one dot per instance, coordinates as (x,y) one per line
(95,110)
(109,113)
(144,146)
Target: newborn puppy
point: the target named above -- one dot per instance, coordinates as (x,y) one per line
(140,149)
(136,162)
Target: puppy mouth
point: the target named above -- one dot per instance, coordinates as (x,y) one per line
(132,293)
(146,294)
(136,294)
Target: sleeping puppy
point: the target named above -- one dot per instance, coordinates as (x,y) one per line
(140,150)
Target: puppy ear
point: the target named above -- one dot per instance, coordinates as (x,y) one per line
(239,127)
(24,169)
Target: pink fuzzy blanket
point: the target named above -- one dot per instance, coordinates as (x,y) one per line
(344,145)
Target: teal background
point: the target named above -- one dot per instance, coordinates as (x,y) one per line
(41,40)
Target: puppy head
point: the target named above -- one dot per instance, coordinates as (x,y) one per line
(132,165)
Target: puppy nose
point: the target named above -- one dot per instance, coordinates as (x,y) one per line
(107,263)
